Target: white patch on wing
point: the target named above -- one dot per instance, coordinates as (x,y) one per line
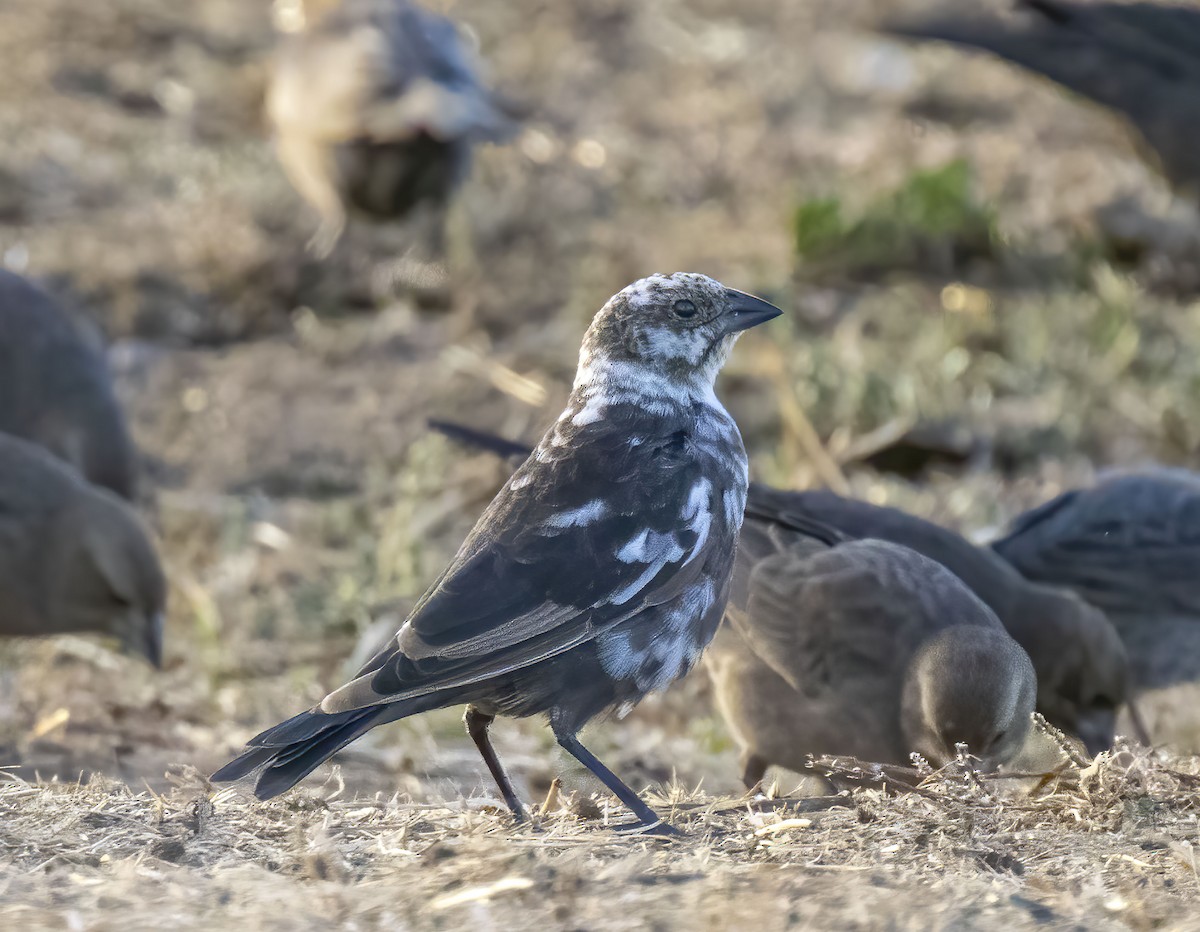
(673,648)
(735,506)
(587,513)
(520,481)
(698,515)
(657,550)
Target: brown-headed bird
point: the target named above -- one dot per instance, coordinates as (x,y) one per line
(1140,59)
(74,558)
(1130,545)
(863,648)
(1081,665)
(376,107)
(600,571)
(55,388)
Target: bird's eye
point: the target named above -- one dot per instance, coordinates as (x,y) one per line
(684,308)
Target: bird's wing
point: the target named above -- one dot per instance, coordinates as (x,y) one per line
(820,619)
(578,540)
(854,611)
(1131,545)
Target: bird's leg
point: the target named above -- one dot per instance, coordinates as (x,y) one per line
(754,768)
(477,727)
(649,821)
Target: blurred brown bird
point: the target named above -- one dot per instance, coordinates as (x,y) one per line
(55,388)
(74,558)
(376,106)
(1140,59)
(1082,668)
(863,648)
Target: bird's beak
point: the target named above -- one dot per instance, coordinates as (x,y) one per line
(743,311)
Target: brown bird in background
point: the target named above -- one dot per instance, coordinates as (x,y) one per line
(74,558)
(1140,59)
(863,648)
(376,106)
(1130,545)
(55,388)
(1081,666)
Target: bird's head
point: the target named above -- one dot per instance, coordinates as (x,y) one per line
(1082,667)
(677,329)
(969,685)
(110,580)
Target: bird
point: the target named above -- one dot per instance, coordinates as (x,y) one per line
(74,557)
(835,645)
(1081,664)
(55,388)
(376,106)
(1141,60)
(599,572)
(1129,545)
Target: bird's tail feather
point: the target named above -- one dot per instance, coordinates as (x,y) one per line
(480,439)
(289,752)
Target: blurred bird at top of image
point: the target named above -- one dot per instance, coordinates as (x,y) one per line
(376,106)
(74,558)
(1130,545)
(1140,59)
(863,648)
(55,388)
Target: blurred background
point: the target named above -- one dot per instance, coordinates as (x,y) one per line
(988,297)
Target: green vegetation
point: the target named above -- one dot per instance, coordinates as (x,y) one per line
(931,223)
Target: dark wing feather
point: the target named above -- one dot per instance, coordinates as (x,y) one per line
(540,574)
(1130,546)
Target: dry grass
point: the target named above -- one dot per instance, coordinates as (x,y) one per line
(1111,845)
(301,504)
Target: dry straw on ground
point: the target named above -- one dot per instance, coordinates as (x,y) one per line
(1111,845)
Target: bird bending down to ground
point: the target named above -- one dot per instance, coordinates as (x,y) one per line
(1081,666)
(74,558)
(376,106)
(863,648)
(600,571)
(1139,59)
(55,388)
(1130,545)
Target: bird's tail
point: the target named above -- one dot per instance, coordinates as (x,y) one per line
(480,439)
(289,752)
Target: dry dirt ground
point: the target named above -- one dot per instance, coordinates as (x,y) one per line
(302,504)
